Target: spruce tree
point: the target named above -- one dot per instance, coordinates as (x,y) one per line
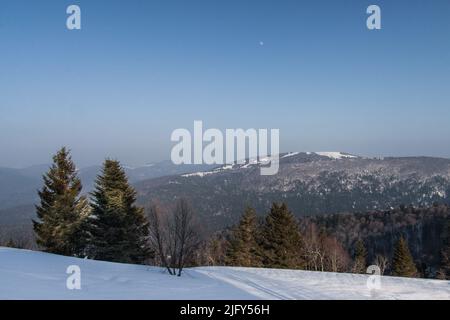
(403,263)
(360,262)
(119,228)
(11,243)
(243,249)
(444,271)
(62,210)
(282,243)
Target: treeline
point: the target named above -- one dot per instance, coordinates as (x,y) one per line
(20,237)
(425,230)
(279,240)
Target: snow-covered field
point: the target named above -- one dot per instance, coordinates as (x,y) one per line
(35,275)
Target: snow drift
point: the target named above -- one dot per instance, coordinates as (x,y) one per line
(35,275)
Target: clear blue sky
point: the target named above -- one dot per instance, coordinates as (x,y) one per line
(139,69)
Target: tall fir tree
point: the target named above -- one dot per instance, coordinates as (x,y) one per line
(360,258)
(243,249)
(119,228)
(403,264)
(62,211)
(282,243)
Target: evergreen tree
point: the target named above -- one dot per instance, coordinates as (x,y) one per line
(119,228)
(243,249)
(360,262)
(444,271)
(11,243)
(62,210)
(282,243)
(403,263)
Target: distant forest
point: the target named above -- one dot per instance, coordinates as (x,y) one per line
(350,242)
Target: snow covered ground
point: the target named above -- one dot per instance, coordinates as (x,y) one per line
(36,275)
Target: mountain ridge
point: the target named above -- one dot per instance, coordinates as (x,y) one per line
(309,183)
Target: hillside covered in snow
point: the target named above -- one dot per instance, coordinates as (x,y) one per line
(310,183)
(36,275)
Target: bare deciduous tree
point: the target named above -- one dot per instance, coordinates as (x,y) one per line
(158,235)
(323,252)
(337,258)
(382,262)
(184,234)
(174,237)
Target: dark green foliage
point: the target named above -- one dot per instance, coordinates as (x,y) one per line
(11,244)
(444,271)
(119,228)
(61,210)
(424,228)
(403,263)
(360,258)
(282,243)
(243,249)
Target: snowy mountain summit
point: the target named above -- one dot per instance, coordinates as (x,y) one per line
(335,155)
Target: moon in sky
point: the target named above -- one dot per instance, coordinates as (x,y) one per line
(261,43)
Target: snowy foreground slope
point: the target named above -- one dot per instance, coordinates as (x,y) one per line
(35,275)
